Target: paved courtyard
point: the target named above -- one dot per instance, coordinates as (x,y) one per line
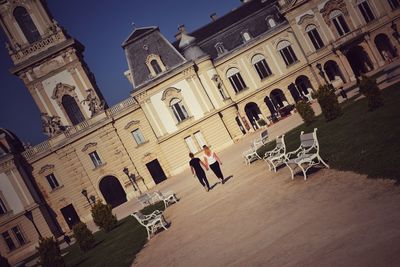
(261,218)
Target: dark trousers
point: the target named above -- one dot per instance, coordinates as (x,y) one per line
(203,180)
(217,170)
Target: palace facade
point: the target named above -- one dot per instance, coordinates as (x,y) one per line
(211,86)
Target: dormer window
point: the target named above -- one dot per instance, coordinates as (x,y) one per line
(246,36)
(155,65)
(271,22)
(220,48)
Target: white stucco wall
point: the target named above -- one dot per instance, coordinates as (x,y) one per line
(163,113)
(191,101)
(14,203)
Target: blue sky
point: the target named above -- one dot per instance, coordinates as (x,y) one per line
(101,28)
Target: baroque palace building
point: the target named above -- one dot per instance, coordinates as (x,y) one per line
(211,86)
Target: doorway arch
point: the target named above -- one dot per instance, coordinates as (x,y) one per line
(278,98)
(112,191)
(359,60)
(303,83)
(382,43)
(253,114)
(332,69)
(293,89)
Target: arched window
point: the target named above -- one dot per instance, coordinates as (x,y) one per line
(156,67)
(261,66)
(394,4)
(220,48)
(178,109)
(287,53)
(26,24)
(246,36)
(338,20)
(314,36)
(236,79)
(271,22)
(72,109)
(365,10)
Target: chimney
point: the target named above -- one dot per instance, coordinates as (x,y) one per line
(213,16)
(181,29)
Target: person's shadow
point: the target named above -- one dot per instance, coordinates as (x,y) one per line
(228,178)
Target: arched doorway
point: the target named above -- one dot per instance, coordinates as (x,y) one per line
(71,108)
(332,69)
(112,191)
(303,83)
(270,105)
(278,98)
(383,43)
(359,60)
(253,114)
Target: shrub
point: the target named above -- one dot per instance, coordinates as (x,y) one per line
(83,236)
(49,253)
(4,262)
(306,112)
(370,89)
(261,122)
(327,99)
(103,217)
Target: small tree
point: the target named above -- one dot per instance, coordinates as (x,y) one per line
(4,262)
(369,88)
(327,99)
(261,122)
(103,217)
(83,236)
(306,112)
(49,253)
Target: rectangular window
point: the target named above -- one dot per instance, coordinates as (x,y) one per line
(262,69)
(366,11)
(3,208)
(10,243)
(51,179)
(18,235)
(95,159)
(315,39)
(340,25)
(237,82)
(138,136)
(288,55)
(189,142)
(200,139)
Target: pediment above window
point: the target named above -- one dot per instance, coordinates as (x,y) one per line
(129,124)
(62,89)
(46,167)
(170,93)
(89,145)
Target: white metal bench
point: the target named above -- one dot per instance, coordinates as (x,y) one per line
(306,156)
(168,198)
(145,199)
(151,222)
(251,154)
(277,156)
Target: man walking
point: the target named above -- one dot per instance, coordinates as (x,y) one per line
(197,170)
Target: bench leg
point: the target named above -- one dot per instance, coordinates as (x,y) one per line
(291,170)
(323,162)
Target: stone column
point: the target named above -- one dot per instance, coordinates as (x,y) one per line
(348,71)
(370,53)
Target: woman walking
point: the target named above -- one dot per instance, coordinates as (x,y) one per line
(213,161)
(197,170)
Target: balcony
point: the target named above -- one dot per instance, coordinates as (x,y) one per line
(37,47)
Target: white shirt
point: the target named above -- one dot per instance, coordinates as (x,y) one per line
(210,159)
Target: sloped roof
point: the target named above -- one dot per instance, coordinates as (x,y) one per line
(137,32)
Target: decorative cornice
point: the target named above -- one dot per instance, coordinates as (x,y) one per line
(304,17)
(169,91)
(129,124)
(46,167)
(89,145)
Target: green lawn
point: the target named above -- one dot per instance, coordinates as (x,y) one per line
(361,141)
(116,248)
